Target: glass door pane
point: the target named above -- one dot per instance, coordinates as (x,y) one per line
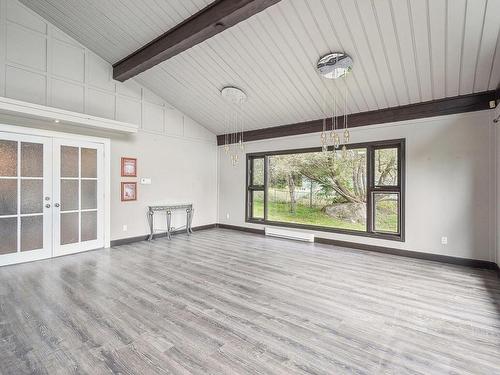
(8,235)
(8,196)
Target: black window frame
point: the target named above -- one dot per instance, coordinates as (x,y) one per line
(372,189)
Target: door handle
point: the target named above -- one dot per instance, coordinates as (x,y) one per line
(47,205)
(57,204)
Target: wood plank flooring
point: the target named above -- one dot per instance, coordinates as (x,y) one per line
(225,302)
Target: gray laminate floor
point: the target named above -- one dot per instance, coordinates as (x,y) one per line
(225,302)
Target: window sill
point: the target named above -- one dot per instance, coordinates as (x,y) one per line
(382,236)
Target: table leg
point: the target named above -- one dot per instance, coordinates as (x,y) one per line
(188,215)
(169,220)
(151,224)
(191,220)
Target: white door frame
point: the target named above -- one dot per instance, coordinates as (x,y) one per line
(107,164)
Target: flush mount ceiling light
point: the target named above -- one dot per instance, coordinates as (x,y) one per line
(233,122)
(233,95)
(334,65)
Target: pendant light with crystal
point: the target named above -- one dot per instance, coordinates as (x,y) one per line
(233,141)
(333,66)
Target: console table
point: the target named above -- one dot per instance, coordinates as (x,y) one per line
(168,209)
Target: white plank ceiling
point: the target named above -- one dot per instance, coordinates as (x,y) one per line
(404,51)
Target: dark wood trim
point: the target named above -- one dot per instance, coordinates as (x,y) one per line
(125,241)
(211,20)
(475,263)
(447,106)
(241,229)
(353,245)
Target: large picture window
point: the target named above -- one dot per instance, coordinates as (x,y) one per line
(360,192)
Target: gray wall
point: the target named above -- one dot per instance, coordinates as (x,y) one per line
(449,179)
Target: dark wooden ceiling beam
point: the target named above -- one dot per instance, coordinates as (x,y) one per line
(216,17)
(447,106)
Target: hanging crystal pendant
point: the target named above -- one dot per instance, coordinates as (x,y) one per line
(324,143)
(346,136)
(344,151)
(324,140)
(336,140)
(234,159)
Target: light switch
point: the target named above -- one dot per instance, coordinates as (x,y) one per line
(145,181)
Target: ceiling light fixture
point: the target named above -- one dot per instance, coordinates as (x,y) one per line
(333,66)
(233,122)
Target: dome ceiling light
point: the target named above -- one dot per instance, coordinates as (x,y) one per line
(334,65)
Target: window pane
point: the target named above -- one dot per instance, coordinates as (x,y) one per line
(69,161)
(386,167)
(69,195)
(31,196)
(69,228)
(257,204)
(89,226)
(319,188)
(386,212)
(8,235)
(257,172)
(89,162)
(8,158)
(89,194)
(8,197)
(31,233)
(31,159)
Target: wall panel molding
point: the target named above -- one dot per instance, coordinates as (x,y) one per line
(47,67)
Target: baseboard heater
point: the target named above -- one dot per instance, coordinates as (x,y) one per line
(290,234)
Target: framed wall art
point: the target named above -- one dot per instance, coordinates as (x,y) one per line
(129,167)
(129,191)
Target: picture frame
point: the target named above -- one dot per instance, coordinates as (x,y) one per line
(128,167)
(129,191)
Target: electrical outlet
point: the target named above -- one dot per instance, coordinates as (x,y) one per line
(125,228)
(444,240)
(227,216)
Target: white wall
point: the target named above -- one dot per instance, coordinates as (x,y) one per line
(40,64)
(449,165)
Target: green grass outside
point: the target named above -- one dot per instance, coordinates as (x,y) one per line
(280,211)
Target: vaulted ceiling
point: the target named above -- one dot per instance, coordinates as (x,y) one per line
(404,52)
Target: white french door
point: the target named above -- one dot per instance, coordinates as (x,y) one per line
(25,198)
(78,196)
(51,197)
